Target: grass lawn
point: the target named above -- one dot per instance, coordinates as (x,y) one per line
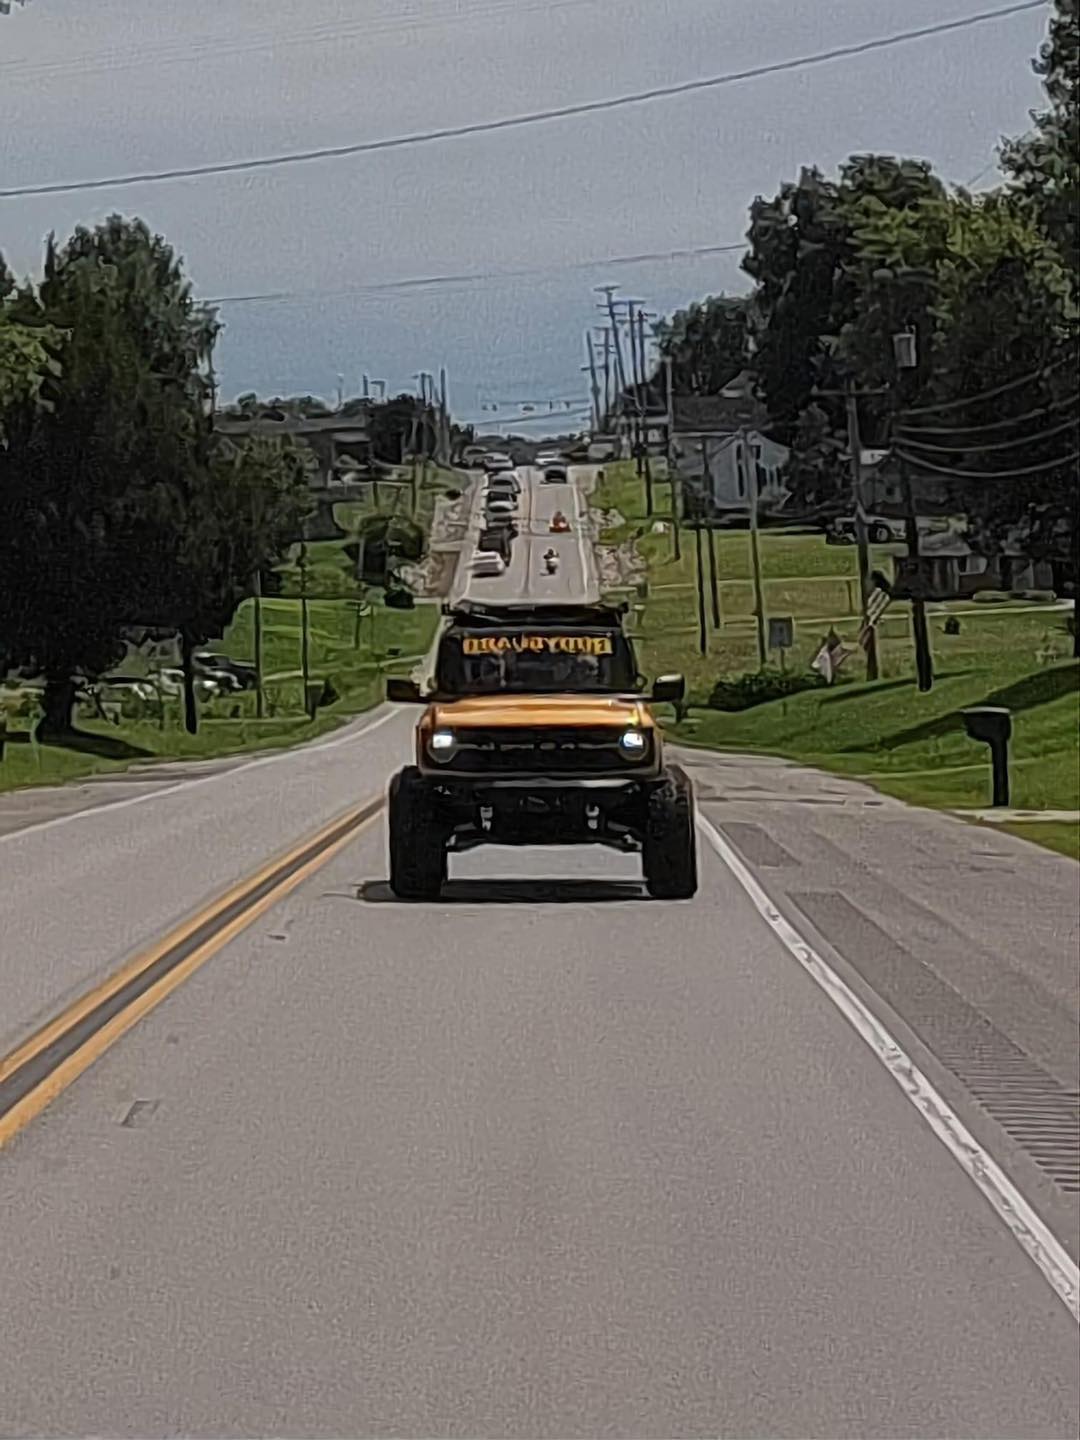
(353,655)
(1052,835)
(907,744)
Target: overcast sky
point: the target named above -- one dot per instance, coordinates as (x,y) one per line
(91,88)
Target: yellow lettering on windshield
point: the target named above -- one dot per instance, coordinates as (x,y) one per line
(538,644)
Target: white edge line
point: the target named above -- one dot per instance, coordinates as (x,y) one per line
(1033,1234)
(290,753)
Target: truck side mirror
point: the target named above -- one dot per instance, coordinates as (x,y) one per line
(403,692)
(668,689)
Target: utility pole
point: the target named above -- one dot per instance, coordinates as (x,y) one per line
(673,479)
(714,587)
(905,354)
(607,373)
(862,538)
(620,368)
(643,410)
(755,551)
(445,417)
(260,702)
(594,381)
(703,629)
(305,638)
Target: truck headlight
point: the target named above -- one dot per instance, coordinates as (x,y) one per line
(633,744)
(442,744)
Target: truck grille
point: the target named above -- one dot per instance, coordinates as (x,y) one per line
(575,751)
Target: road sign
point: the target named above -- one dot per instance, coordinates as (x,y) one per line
(781,632)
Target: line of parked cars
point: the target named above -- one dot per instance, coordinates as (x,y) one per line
(502,497)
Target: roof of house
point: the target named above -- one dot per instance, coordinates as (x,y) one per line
(735,406)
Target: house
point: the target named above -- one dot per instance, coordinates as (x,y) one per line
(716,439)
(342,444)
(952,570)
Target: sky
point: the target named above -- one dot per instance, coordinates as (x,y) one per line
(91,90)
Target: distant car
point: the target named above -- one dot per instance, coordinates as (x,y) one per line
(548,457)
(212,663)
(496,538)
(487,562)
(556,473)
(501,507)
(508,480)
(496,460)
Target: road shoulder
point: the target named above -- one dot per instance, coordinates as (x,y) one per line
(963,940)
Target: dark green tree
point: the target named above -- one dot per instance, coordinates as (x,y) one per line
(86,481)
(706,344)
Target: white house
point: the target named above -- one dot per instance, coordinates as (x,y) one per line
(714,442)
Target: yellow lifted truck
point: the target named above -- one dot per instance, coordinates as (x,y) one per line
(538,731)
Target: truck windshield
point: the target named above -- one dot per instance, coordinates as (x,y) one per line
(535,662)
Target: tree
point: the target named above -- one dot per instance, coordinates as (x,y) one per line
(27,353)
(706,344)
(805,259)
(1045,164)
(87,483)
(995,394)
(234,521)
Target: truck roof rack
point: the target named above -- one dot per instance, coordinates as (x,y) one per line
(472,612)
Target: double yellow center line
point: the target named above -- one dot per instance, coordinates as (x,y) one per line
(43,1066)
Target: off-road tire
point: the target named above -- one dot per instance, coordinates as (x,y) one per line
(880,534)
(669,845)
(417,844)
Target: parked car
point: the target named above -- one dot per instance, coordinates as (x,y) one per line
(496,538)
(487,562)
(210,662)
(500,508)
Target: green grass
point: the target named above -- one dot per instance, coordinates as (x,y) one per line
(910,745)
(1050,834)
(228,725)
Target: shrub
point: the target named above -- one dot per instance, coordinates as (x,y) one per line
(743,692)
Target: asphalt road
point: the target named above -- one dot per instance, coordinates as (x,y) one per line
(525,577)
(544,1158)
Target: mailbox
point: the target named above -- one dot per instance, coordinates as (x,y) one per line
(992,724)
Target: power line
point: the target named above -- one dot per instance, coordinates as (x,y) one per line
(909,439)
(536,117)
(473,277)
(976,399)
(268,39)
(909,431)
(1040,469)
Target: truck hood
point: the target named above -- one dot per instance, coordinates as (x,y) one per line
(539,710)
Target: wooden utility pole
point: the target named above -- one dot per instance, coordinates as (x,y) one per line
(862,538)
(260,702)
(673,479)
(703,630)
(924,661)
(755,549)
(643,407)
(593,380)
(714,587)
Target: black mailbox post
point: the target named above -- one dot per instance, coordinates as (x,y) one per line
(992,724)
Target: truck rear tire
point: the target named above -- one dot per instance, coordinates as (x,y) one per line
(417,846)
(669,847)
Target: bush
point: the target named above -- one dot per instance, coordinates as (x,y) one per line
(758,688)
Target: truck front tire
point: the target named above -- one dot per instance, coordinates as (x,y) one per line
(417,844)
(669,846)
